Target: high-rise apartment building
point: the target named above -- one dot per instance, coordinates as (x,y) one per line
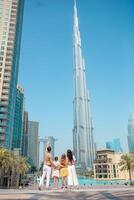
(18,119)
(11,17)
(33,143)
(130,136)
(83,142)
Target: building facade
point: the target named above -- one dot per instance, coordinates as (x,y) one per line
(11,17)
(33,145)
(18,119)
(114,145)
(130,136)
(106,166)
(83,142)
(25,135)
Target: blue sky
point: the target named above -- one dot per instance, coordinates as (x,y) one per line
(46,66)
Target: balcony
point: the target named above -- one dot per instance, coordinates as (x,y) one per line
(2,136)
(103,160)
(7,69)
(6,86)
(5,91)
(8,64)
(7,74)
(10,49)
(7,80)
(2,116)
(3,103)
(9,53)
(2,130)
(3,123)
(4,97)
(3,110)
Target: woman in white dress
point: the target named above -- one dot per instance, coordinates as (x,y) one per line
(72,176)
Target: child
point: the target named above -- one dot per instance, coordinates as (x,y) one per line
(55,172)
(64,170)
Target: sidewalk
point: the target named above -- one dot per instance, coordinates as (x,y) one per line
(92,193)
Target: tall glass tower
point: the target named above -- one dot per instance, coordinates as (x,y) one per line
(83,142)
(18,119)
(114,145)
(130,136)
(11,17)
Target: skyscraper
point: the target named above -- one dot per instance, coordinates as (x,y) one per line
(130,136)
(11,17)
(114,145)
(33,144)
(25,134)
(83,142)
(18,119)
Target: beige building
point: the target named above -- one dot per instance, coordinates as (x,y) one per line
(106,166)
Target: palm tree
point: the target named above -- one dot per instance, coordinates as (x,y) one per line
(33,169)
(22,167)
(11,167)
(127,163)
(6,163)
(1,164)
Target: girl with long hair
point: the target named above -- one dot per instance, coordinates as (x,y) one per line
(72,176)
(64,170)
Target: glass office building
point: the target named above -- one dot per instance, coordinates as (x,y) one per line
(114,145)
(18,119)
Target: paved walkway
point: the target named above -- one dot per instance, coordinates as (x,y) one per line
(92,193)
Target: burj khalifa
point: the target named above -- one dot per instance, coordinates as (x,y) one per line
(83,142)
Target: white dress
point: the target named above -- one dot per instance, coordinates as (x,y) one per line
(55,172)
(72,176)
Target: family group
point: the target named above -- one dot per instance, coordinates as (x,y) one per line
(64,168)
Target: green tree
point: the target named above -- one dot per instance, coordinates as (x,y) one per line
(11,167)
(6,163)
(22,167)
(33,169)
(127,163)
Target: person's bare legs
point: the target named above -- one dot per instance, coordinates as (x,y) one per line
(63,181)
(56,182)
